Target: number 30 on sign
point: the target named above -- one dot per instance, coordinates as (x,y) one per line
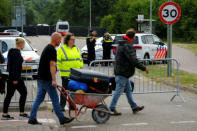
(169,13)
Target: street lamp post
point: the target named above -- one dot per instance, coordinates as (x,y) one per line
(90,14)
(22,17)
(151,24)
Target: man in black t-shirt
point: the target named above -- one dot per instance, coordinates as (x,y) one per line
(47,81)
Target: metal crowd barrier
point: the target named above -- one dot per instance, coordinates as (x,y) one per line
(159,80)
(29,75)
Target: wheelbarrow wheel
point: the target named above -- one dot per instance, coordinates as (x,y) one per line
(100,117)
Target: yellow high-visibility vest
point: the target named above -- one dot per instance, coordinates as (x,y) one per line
(110,40)
(68,58)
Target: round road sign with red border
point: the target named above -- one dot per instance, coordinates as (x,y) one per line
(169,13)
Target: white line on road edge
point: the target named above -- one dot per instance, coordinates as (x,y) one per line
(88,126)
(182,122)
(135,124)
(47,120)
(179,105)
(40,120)
(10,120)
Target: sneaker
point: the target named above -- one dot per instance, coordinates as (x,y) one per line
(24,115)
(115,113)
(137,109)
(66,120)
(7,117)
(34,122)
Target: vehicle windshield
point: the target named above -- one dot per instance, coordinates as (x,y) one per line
(63,27)
(117,38)
(7,44)
(11,30)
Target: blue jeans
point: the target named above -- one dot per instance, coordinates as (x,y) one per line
(43,87)
(122,85)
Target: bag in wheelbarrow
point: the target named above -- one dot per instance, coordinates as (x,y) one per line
(97,82)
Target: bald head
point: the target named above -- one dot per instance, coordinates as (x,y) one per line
(55,35)
(56,39)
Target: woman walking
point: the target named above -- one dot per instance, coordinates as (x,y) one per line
(15,82)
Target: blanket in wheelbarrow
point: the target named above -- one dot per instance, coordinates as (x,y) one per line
(96,81)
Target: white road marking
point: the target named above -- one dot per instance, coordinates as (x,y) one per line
(182,122)
(10,120)
(179,105)
(135,124)
(47,120)
(88,126)
(40,120)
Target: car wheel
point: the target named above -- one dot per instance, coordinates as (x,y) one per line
(146,61)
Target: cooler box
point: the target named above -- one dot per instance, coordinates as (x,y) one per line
(94,79)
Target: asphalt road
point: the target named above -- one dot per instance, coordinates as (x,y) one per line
(160,114)
(186,58)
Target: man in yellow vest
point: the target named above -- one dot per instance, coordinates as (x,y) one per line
(68,56)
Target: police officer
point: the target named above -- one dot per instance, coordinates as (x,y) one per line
(91,43)
(68,56)
(107,42)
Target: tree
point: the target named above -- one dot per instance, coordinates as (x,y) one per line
(5,16)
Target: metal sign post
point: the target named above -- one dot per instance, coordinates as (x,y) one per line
(169,53)
(169,13)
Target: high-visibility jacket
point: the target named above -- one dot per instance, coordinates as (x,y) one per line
(108,40)
(68,58)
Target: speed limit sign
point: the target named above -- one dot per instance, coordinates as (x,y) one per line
(169,13)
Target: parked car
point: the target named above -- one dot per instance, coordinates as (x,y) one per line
(42,25)
(15,32)
(148,46)
(31,58)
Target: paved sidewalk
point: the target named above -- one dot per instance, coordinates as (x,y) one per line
(46,117)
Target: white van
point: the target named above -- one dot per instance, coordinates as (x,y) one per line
(62,27)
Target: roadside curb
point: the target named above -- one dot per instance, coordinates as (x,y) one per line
(188,89)
(27,108)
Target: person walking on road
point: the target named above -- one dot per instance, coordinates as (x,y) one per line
(91,43)
(68,56)
(47,81)
(125,64)
(15,82)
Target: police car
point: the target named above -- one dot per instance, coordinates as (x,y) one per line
(31,58)
(148,46)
